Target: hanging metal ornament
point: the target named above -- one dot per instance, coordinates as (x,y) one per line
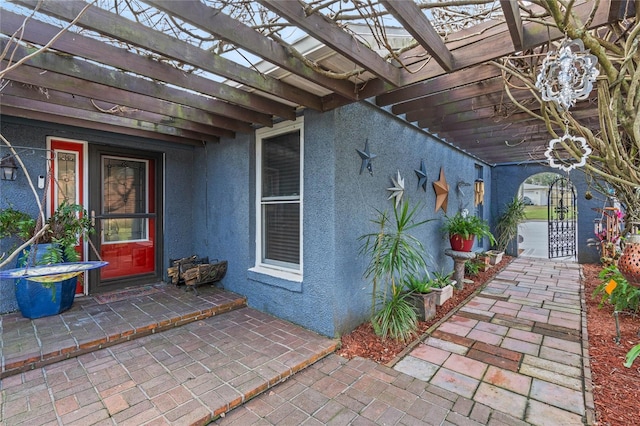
(567,75)
(566,163)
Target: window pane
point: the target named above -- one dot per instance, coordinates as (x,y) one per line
(66,177)
(124,229)
(281,166)
(125,186)
(124,193)
(281,233)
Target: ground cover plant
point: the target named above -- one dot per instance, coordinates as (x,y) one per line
(364,342)
(616,389)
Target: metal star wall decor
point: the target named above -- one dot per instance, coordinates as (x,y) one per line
(397,191)
(366,157)
(422,176)
(441,187)
(558,156)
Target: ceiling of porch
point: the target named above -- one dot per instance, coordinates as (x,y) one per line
(109,70)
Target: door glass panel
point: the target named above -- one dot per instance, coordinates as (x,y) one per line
(127,219)
(65,181)
(125,189)
(66,184)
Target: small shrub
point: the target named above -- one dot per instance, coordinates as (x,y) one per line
(397,318)
(441,280)
(623,297)
(418,284)
(472,267)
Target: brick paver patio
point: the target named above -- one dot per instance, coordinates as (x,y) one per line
(514,354)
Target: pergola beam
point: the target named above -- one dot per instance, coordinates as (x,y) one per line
(100,117)
(497,100)
(214,21)
(122,99)
(463,92)
(123,29)
(333,36)
(514,23)
(416,23)
(476,121)
(439,84)
(103,126)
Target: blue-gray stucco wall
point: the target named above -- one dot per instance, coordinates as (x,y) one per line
(339,205)
(179,192)
(209,204)
(506,181)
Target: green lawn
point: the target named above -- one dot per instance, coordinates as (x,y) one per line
(536,212)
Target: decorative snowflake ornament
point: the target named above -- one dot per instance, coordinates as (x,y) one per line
(567,162)
(567,75)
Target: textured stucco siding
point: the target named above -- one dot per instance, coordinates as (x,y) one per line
(339,205)
(179,191)
(210,205)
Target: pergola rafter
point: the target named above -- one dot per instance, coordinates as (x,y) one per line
(447,84)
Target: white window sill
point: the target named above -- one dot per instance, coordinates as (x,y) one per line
(276,278)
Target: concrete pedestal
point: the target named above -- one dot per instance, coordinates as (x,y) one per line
(459,258)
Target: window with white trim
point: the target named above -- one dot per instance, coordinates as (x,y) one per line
(279,154)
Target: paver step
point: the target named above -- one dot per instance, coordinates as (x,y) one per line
(185,375)
(88,326)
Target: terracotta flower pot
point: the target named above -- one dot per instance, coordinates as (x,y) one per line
(459,243)
(629,262)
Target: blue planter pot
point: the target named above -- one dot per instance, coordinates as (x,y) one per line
(36,299)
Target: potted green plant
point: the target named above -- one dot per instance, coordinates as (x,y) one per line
(394,254)
(484,259)
(422,296)
(507,227)
(442,286)
(463,228)
(16,223)
(51,243)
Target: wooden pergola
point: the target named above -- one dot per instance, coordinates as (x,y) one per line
(111,73)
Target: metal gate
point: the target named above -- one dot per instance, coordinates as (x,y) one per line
(563,217)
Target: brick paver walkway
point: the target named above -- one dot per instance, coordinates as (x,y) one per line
(361,392)
(514,354)
(516,347)
(182,376)
(27,344)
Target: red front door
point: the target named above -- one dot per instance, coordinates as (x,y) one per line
(126,217)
